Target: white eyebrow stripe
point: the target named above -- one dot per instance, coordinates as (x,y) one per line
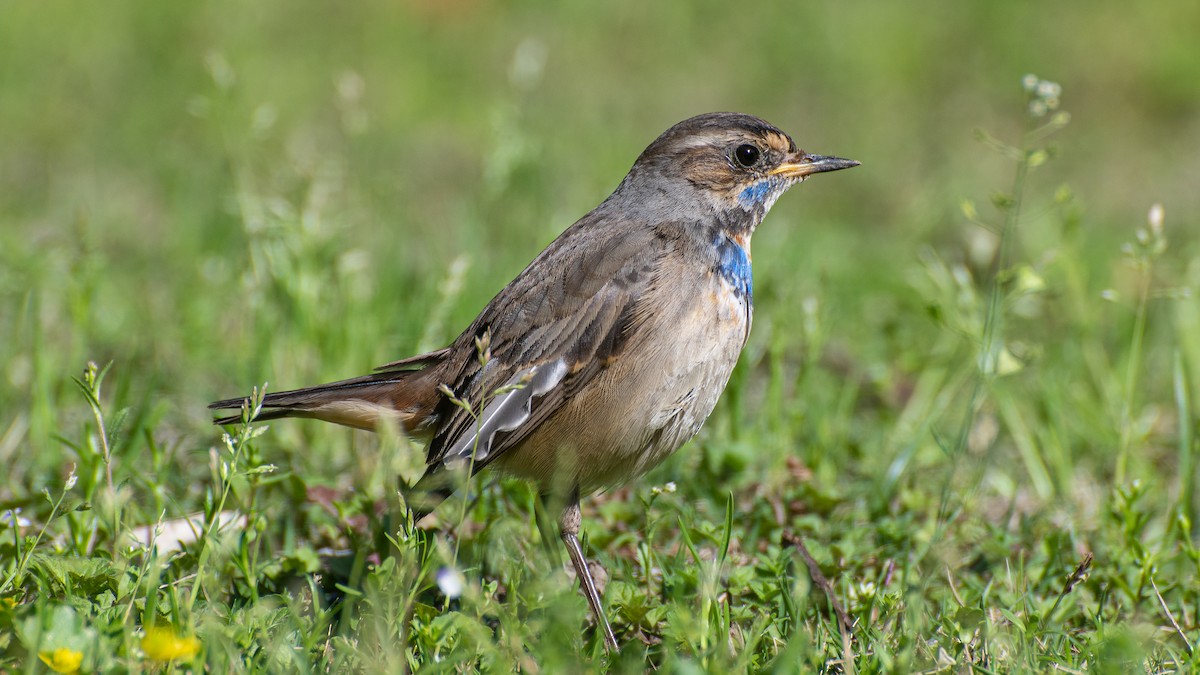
(698,141)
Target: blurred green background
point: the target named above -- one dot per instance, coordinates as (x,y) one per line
(210,195)
(214,194)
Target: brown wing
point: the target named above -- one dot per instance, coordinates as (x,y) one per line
(550,331)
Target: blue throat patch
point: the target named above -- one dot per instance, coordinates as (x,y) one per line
(734,267)
(756,194)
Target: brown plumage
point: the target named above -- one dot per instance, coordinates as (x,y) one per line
(610,349)
(404,390)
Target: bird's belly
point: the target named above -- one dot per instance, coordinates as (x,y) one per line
(644,405)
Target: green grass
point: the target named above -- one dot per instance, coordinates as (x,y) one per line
(971,389)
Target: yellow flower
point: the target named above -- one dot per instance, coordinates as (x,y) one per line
(62,660)
(162,644)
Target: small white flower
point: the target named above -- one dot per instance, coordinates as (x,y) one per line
(1029,82)
(669,487)
(863,591)
(528,63)
(1156,219)
(1048,90)
(451,582)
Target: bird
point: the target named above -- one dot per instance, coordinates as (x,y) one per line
(608,352)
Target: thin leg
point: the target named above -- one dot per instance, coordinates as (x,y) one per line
(569,528)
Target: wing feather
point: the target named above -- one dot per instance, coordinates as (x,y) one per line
(507,412)
(551,331)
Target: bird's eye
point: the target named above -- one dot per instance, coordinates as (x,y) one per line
(746,155)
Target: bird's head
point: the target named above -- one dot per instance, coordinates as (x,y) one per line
(728,163)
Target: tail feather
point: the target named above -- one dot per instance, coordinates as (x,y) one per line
(263,415)
(407,394)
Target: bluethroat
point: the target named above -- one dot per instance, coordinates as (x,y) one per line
(609,350)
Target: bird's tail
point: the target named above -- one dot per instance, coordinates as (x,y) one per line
(404,391)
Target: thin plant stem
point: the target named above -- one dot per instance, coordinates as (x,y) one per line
(991,346)
(1132,367)
(226,471)
(28,552)
(90,386)
(1186,446)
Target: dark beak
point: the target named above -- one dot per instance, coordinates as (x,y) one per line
(805,165)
